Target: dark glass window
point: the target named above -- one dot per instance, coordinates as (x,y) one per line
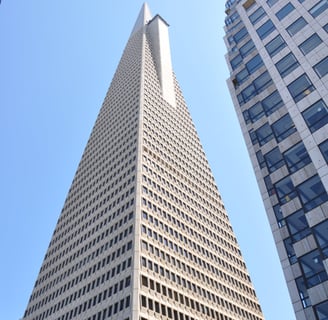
(283,127)
(241,34)
(325,27)
(254,64)
(248,93)
(269,185)
(321,68)
(321,234)
(231,40)
(324,149)
(231,18)
(264,134)
(274,159)
(285,190)
(247,48)
(272,103)
(290,250)
(262,81)
(313,268)
(279,216)
(252,135)
(236,61)
(296,26)
(298,226)
(321,310)
(257,15)
(310,43)
(256,112)
(265,29)
(300,88)
(316,115)
(241,76)
(275,45)
(302,291)
(320,7)
(312,193)
(246,117)
(287,64)
(260,159)
(271,2)
(284,11)
(297,157)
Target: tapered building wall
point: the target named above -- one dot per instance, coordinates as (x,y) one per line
(278,61)
(143,233)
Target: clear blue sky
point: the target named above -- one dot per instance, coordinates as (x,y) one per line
(57,60)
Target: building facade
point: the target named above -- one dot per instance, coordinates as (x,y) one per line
(278,61)
(143,233)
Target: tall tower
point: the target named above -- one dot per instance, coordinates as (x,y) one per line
(278,61)
(143,233)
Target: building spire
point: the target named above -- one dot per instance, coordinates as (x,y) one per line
(143,18)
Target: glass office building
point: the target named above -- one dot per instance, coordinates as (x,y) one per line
(278,61)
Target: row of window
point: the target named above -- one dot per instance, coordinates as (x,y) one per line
(194,273)
(86,248)
(266,107)
(109,275)
(295,158)
(68,235)
(266,28)
(311,192)
(279,130)
(186,227)
(176,185)
(189,302)
(200,218)
(316,116)
(115,239)
(256,87)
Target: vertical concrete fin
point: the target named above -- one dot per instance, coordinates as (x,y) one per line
(160,44)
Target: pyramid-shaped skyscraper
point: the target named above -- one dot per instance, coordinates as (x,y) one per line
(143,233)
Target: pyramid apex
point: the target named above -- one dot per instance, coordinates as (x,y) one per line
(143,18)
